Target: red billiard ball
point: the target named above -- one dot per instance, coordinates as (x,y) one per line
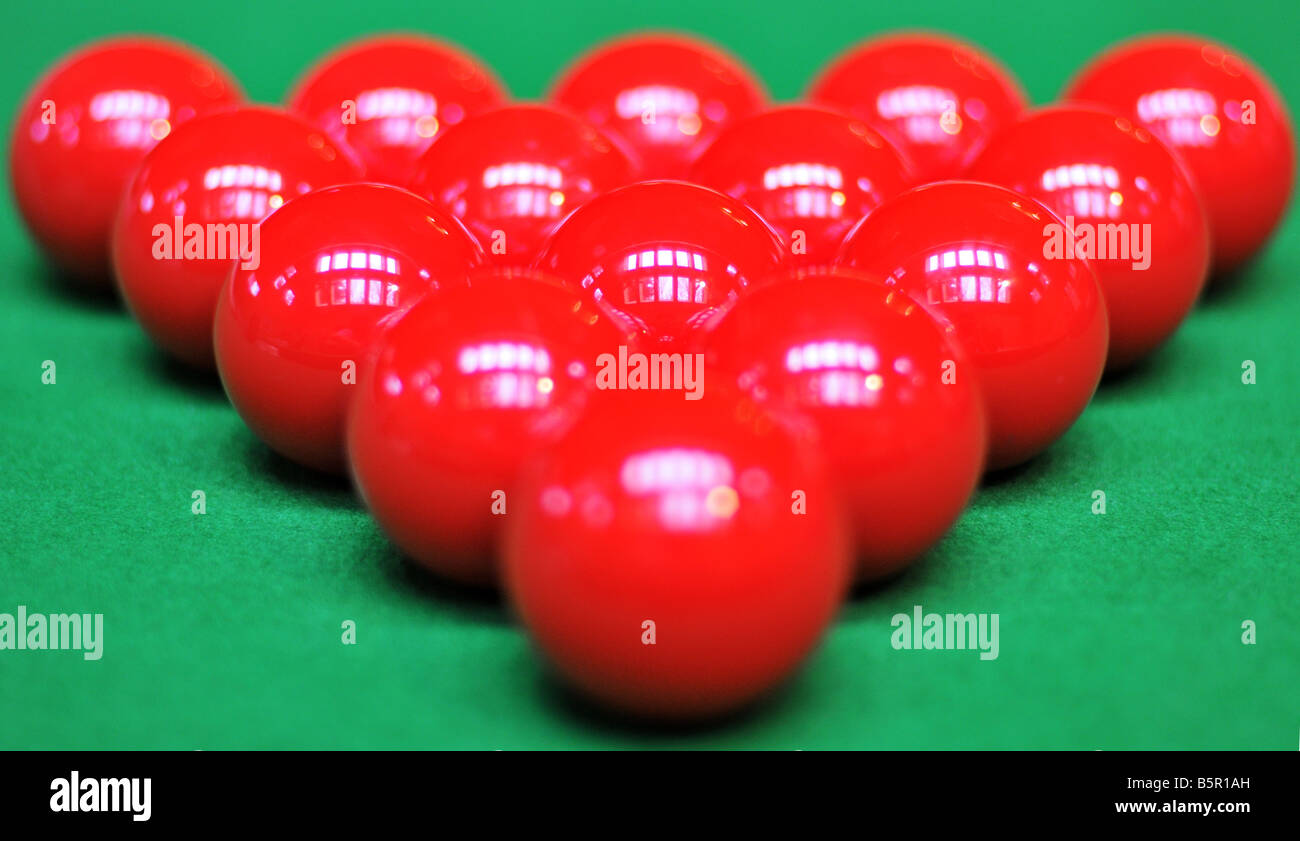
(84,128)
(809,172)
(193,208)
(676,558)
(667,95)
(336,265)
(875,375)
(467,385)
(938,99)
(1128,206)
(512,174)
(1033,326)
(390,96)
(662,254)
(1222,116)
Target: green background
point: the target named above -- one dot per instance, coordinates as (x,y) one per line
(223,631)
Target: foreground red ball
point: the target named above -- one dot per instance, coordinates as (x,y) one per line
(84,128)
(676,558)
(1222,116)
(511,175)
(663,255)
(193,208)
(389,97)
(336,266)
(467,385)
(866,366)
(1128,207)
(937,99)
(1033,327)
(810,172)
(668,96)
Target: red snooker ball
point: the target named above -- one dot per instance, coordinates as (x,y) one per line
(810,172)
(936,98)
(1033,326)
(1129,207)
(667,95)
(467,385)
(1222,116)
(675,558)
(512,174)
(193,208)
(866,366)
(84,128)
(662,254)
(390,96)
(336,265)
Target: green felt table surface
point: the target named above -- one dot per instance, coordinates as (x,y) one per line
(1121,630)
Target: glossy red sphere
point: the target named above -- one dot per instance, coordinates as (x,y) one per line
(936,98)
(864,364)
(1222,116)
(659,558)
(662,254)
(84,128)
(389,97)
(668,96)
(512,174)
(336,265)
(810,172)
(1128,207)
(193,208)
(1033,327)
(467,385)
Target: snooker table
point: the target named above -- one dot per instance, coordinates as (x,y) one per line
(1121,630)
